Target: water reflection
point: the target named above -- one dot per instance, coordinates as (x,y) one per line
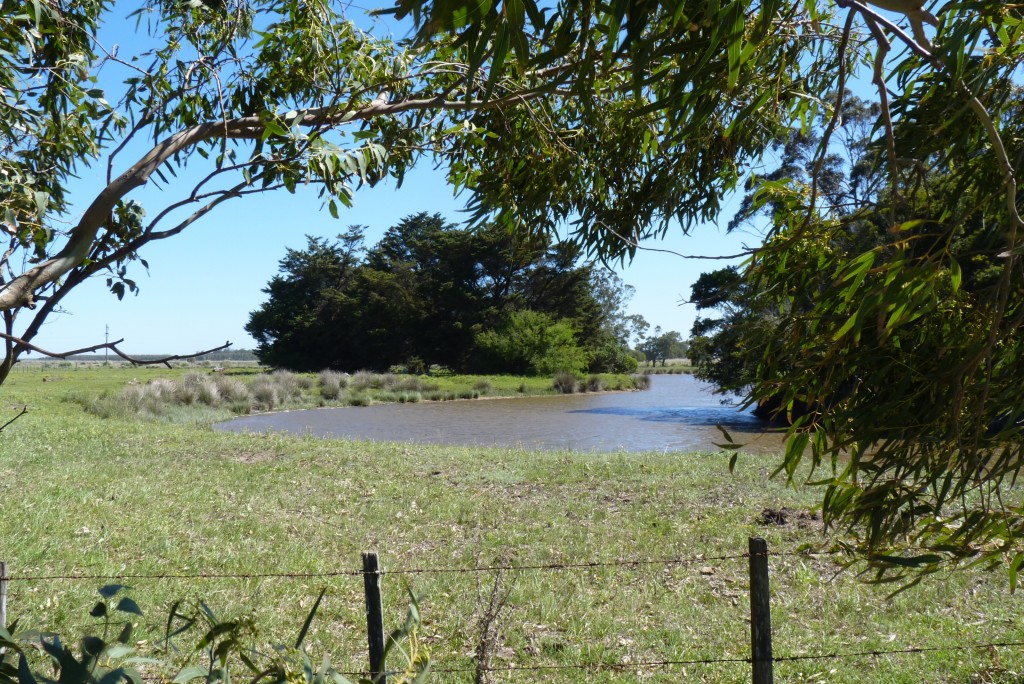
(678,413)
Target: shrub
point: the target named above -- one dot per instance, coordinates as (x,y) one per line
(595,384)
(565,382)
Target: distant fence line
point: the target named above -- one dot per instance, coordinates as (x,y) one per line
(761,658)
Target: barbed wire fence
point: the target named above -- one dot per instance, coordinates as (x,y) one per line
(761,658)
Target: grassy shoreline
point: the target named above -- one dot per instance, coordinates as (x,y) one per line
(86,495)
(185,394)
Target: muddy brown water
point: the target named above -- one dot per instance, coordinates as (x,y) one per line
(678,413)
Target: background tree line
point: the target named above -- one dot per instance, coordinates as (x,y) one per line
(430,293)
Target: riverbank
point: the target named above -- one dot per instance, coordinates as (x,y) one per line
(186,394)
(118,496)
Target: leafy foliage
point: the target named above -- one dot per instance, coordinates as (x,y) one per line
(226,648)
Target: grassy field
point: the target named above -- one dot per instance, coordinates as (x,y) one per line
(119,496)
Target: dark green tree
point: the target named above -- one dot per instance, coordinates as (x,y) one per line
(307,322)
(428,293)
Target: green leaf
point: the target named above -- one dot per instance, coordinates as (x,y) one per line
(955,276)
(119,651)
(189,673)
(309,618)
(909,561)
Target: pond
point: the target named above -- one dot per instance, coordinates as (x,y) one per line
(678,413)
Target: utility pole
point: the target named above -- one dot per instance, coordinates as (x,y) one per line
(106,340)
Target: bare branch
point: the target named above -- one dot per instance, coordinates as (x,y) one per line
(112,346)
(632,242)
(837,113)
(24,410)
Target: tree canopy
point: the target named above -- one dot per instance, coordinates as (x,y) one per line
(430,293)
(614,122)
(912,378)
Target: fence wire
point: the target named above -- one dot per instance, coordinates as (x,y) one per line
(656,664)
(635,563)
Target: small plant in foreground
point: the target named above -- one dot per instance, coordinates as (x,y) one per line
(224,650)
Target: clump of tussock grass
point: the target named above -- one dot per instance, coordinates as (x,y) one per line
(358,399)
(594,383)
(332,383)
(287,384)
(232,391)
(265,392)
(483,386)
(410,384)
(641,382)
(565,382)
(362,381)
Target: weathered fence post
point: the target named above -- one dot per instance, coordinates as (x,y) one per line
(3,594)
(760,613)
(374,617)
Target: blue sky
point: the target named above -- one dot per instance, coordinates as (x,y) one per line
(201,285)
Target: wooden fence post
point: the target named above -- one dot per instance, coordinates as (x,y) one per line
(3,594)
(374,617)
(760,613)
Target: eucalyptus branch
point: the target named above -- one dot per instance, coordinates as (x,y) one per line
(878,78)
(837,113)
(112,346)
(20,291)
(237,191)
(632,242)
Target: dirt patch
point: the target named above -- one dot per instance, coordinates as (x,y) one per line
(255,456)
(788,517)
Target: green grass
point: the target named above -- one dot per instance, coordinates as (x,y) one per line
(83,494)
